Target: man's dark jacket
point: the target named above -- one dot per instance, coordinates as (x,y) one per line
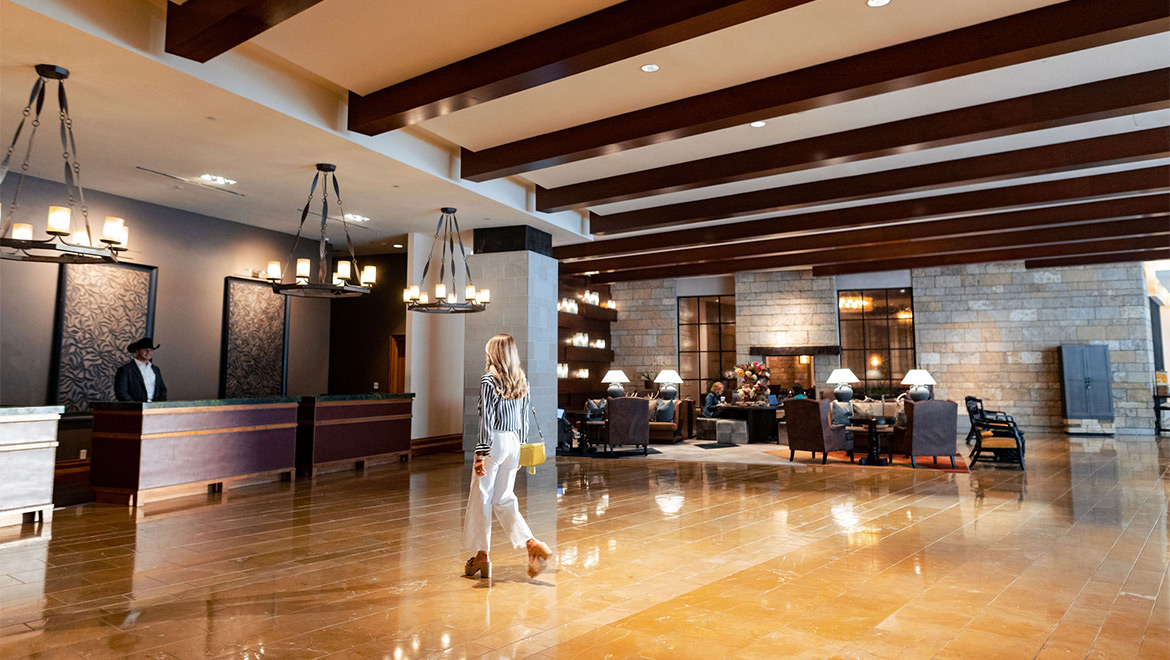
(129,386)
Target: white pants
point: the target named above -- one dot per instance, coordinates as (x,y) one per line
(493,491)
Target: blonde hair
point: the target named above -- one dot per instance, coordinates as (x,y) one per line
(503,363)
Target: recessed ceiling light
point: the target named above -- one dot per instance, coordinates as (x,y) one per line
(215,178)
(397,246)
(353,217)
(758,124)
(877,3)
(651,68)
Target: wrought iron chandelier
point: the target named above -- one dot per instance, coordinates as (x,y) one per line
(341,284)
(446,301)
(65,244)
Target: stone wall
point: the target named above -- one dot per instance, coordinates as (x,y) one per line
(994,331)
(645,336)
(786,308)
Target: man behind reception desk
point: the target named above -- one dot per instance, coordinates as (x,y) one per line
(138,379)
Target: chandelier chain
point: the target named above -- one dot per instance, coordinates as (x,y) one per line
(304,215)
(72,164)
(37,96)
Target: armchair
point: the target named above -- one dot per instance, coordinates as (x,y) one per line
(931,429)
(809,429)
(994,432)
(677,430)
(627,422)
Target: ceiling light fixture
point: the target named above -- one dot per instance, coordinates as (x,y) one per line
(215,178)
(877,3)
(397,246)
(65,244)
(340,284)
(758,124)
(353,217)
(417,298)
(649,68)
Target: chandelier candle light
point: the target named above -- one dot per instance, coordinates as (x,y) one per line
(65,244)
(446,301)
(339,285)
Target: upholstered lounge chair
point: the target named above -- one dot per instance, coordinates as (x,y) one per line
(627,422)
(809,429)
(931,429)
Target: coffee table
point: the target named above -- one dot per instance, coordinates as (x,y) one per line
(873,421)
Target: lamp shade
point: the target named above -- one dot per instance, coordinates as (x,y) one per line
(842,376)
(615,376)
(918,377)
(668,377)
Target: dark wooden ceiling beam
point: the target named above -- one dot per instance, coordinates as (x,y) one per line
(1061,157)
(1070,214)
(1105,258)
(1141,92)
(618,32)
(1148,242)
(910,247)
(201,29)
(1144,180)
(1032,35)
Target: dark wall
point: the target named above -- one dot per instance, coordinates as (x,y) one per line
(360,329)
(193,254)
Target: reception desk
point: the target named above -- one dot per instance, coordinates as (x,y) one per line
(28,450)
(149,451)
(337,432)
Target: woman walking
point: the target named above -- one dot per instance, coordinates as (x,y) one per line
(503,425)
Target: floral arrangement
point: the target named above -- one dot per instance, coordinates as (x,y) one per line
(755,376)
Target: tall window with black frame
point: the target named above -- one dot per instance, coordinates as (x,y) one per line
(877,338)
(706,342)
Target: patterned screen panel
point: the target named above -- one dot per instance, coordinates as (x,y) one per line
(101,309)
(255,340)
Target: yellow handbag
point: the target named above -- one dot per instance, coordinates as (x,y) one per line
(532,453)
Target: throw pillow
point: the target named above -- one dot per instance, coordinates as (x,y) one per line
(594,408)
(840,414)
(653,403)
(665,411)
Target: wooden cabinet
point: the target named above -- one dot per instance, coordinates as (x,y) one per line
(1087,385)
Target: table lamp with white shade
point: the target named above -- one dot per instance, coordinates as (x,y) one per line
(843,379)
(669,380)
(615,378)
(919,379)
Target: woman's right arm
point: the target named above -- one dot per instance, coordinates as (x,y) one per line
(487,416)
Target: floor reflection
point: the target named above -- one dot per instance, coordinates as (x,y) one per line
(656,559)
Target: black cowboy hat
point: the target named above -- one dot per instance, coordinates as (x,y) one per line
(145,342)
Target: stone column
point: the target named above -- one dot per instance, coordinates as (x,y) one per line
(516,264)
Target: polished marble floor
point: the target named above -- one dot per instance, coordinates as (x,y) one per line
(657,559)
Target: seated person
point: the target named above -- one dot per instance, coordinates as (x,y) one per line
(798,391)
(712,399)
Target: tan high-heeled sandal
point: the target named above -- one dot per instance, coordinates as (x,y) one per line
(538,556)
(484,568)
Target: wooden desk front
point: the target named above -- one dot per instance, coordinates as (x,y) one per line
(336,431)
(148,451)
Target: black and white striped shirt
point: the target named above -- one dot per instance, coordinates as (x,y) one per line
(499,414)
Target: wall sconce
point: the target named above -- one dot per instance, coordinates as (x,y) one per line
(904,315)
(591,297)
(875,361)
(600,343)
(582,373)
(611,304)
(567,305)
(804,359)
(581,340)
(562,371)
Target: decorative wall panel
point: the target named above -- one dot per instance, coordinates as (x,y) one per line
(255,340)
(101,308)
